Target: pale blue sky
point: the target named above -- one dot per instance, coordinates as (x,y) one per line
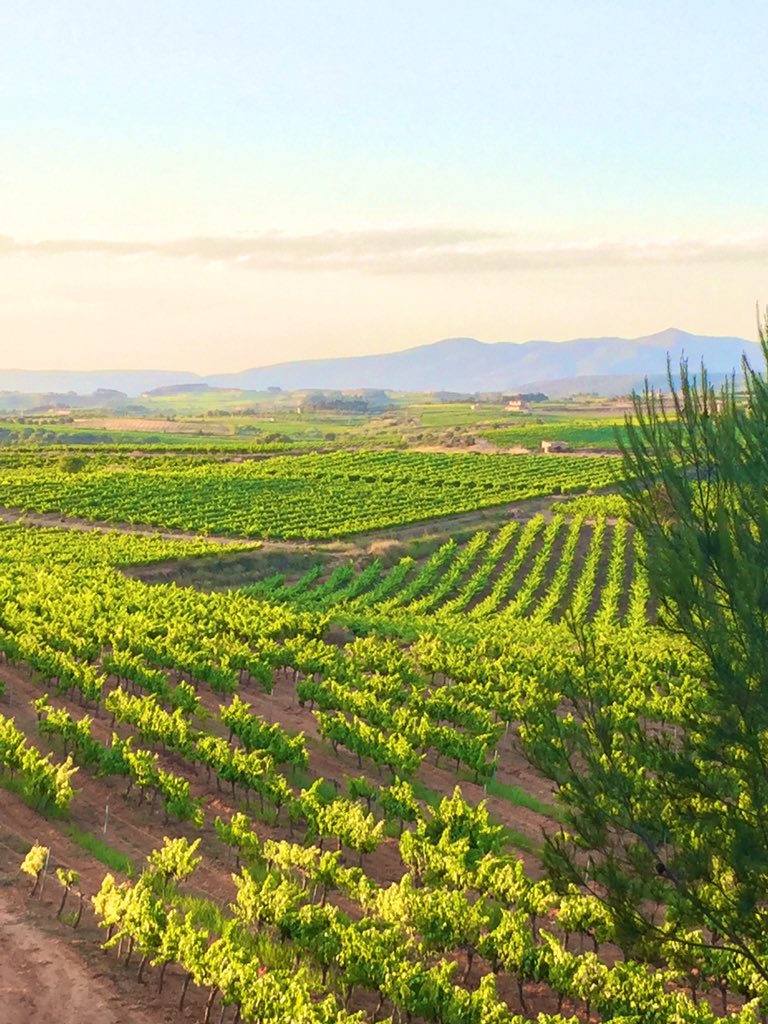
(505,170)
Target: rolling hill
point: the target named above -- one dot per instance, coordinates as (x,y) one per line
(603,365)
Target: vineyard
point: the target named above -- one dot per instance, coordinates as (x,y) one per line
(158,694)
(304,496)
(575,565)
(325,798)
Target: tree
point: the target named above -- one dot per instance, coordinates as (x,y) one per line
(671,809)
(697,487)
(72,463)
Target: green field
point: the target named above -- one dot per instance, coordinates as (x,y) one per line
(366,734)
(258,421)
(443,656)
(309,496)
(579,433)
(576,565)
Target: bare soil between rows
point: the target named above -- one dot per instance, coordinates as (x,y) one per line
(50,972)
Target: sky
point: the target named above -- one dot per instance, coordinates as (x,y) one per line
(211,186)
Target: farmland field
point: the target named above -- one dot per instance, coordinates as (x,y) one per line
(310,496)
(541,569)
(349,756)
(593,433)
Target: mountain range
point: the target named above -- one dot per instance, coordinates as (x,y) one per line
(600,365)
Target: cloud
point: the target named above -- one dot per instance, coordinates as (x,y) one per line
(408,250)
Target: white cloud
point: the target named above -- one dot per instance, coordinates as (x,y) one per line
(410,250)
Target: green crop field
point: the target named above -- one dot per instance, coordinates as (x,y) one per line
(312,496)
(603,432)
(542,570)
(333,789)
(450,652)
(205,437)
(459,414)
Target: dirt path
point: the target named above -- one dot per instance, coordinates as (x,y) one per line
(62,522)
(486,447)
(43,978)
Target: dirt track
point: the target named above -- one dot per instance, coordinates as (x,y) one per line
(42,977)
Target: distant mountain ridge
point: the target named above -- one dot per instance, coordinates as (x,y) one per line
(468,365)
(81,382)
(614,365)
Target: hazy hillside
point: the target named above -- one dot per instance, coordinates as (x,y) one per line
(464,364)
(606,385)
(605,365)
(82,382)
